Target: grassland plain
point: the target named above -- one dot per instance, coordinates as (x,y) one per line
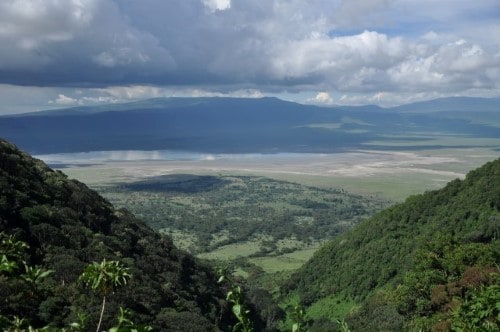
(393,175)
(379,175)
(248,213)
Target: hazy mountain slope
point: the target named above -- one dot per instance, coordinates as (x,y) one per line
(381,249)
(452,104)
(237,125)
(67,226)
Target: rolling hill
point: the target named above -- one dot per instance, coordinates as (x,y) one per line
(238,125)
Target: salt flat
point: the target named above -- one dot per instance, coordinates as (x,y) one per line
(393,174)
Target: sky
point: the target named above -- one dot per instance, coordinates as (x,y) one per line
(62,53)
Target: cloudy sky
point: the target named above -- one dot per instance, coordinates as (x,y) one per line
(57,53)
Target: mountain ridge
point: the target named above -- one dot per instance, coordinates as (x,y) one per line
(236,125)
(436,105)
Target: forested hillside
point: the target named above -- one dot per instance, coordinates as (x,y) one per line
(430,254)
(67,226)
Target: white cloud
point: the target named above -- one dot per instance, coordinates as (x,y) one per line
(450,67)
(64,100)
(51,36)
(138,49)
(45,21)
(134,92)
(348,62)
(126,93)
(322,98)
(215,5)
(246,93)
(12,98)
(29,26)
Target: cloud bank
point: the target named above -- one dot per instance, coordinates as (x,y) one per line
(356,49)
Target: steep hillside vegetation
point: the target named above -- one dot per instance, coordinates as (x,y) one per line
(433,243)
(67,226)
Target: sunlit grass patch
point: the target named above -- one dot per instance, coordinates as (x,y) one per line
(331,307)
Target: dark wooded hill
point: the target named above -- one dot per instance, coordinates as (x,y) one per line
(67,226)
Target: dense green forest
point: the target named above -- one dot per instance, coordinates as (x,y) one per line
(428,264)
(424,264)
(59,227)
(220,210)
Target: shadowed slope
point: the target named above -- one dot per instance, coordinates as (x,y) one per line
(66,226)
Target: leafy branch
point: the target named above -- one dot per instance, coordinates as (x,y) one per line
(105,277)
(236,297)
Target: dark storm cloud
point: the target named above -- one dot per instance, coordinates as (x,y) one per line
(360,46)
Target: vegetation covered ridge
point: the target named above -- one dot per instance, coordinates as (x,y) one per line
(67,226)
(418,264)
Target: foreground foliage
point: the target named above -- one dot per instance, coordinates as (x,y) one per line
(237,300)
(452,285)
(105,276)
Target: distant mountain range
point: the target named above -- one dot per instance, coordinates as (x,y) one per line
(239,125)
